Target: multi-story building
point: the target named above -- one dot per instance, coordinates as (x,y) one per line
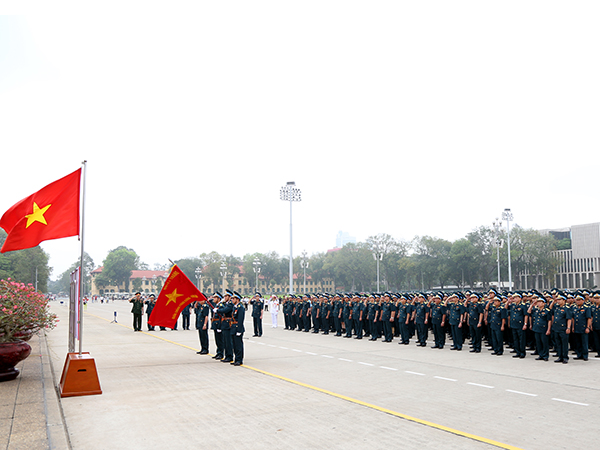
(146,281)
(579,266)
(151,281)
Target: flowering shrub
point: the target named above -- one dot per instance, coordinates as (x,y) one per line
(23,310)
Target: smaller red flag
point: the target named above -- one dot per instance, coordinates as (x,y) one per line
(176,294)
(50,213)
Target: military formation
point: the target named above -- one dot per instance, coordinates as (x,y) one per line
(556,321)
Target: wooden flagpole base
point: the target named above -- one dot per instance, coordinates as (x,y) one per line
(79,376)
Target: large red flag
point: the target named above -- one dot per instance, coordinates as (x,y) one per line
(50,213)
(176,294)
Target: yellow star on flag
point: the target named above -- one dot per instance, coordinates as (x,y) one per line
(37,215)
(173,296)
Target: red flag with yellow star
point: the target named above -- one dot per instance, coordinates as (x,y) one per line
(176,294)
(50,213)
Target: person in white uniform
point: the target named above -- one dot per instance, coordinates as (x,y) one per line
(274,308)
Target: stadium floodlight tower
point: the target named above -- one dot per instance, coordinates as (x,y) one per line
(290,193)
(507,215)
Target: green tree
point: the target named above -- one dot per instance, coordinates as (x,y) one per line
(119,264)
(64,280)
(25,266)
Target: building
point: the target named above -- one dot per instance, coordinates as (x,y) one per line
(146,281)
(343,238)
(579,265)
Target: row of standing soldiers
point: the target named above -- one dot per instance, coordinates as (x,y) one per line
(519,320)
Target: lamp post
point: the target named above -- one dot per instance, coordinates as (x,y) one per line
(256,268)
(223,273)
(304,265)
(507,215)
(378,256)
(198,273)
(290,193)
(496,226)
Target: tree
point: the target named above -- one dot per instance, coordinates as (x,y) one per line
(119,264)
(25,266)
(63,282)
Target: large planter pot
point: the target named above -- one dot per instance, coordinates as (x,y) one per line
(11,353)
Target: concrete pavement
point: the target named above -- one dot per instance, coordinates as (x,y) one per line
(297,390)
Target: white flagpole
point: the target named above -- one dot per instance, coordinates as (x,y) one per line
(81,273)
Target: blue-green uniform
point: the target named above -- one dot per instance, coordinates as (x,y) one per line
(456,311)
(496,321)
(581,314)
(516,318)
(540,318)
(562,315)
(237,333)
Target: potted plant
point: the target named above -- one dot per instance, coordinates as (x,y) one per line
(23,312)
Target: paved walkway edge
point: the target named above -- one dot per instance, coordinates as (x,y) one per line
(56,428)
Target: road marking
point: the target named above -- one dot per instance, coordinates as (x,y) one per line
(269,345)
(310,353)
(344,359)
(355,401)
(447,379)
(569,401)
(522,393)
(388,368)
(366,364)
(414,373)
(481,385)
(284,348)
(299,351)
(389,411)
(260,343)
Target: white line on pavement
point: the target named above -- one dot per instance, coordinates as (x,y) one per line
(414,373)
(569,401)
(310,353)
(326,356)
(366,364)
(271,345)
(299,351)
(284,348)
(388,368)
(522,393)
(443,378)
(344,359)
(481,385)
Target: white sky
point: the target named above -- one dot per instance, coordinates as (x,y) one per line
(406,118)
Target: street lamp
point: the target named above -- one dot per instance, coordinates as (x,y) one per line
(304,265)
(256,268)
(378,256)
(290,193)
(497,224)
(223,273)
(507,215)
(198,273)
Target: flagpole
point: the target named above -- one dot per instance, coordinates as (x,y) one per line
(81,274)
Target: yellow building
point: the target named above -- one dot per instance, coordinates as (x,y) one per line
(145,281)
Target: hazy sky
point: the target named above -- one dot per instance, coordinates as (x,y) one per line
(406,118)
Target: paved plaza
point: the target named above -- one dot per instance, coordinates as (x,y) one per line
(295,391)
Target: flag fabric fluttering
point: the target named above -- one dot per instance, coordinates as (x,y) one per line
(50,213)
(177,292)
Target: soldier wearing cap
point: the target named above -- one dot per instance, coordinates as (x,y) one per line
(237,329)
(420,316)
(388,314)
(202,309)
(373,311)
(257,313)
(456,313)
(226,312)
(137,309)
(596,322)
(475,311)
(517,321)
(403,317)
(438,320)
(562,318)
(357,316)
(150,303)
(540,325)
(582,323)
(497,322)
(216,326)
(347,316)
(336,312)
